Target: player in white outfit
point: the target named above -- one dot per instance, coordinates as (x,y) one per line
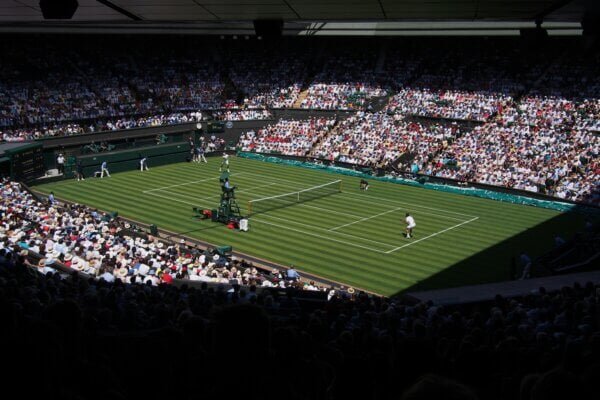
(410,224)
(225,163)
(143,164)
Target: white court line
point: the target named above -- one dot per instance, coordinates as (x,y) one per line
(283,219)
(366,218)
(412,206)
(319,236)
(432,235)
(341,233)
(402,202)
(322,209)
(394,202)
(188,183)
(327,230)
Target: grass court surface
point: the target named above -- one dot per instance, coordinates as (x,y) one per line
(354,237)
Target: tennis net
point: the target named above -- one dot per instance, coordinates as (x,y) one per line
(257,206)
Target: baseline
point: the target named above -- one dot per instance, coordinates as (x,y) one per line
(432,235)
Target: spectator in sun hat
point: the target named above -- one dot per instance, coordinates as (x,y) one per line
(45,265)
(122,273)
(68,259)
(77,263)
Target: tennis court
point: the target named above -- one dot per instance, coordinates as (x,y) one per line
(351,236)
(327,212)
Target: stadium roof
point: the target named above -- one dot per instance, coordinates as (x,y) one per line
(305,17)
(303,10)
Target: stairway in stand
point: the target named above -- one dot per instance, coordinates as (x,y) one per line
(333,131)
(300,98)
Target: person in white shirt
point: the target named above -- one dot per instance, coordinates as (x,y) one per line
(143,165)
(104,170)
(225,162)
(60,163)
(410,224)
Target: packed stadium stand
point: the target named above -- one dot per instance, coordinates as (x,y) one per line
(530,98)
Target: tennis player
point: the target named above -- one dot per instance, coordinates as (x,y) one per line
(410,224)
(364,185)
(225,162)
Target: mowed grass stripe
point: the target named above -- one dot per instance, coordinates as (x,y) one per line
(411,194)
(520,219)
(290,185)
(147,209)
(382,246)
(149,206)
(382,273)
(355,270)
(141,207)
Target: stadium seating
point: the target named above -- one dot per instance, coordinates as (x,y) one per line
(510,348)
(531,98)
(109,307)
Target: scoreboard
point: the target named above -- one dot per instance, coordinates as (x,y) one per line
(27,162)
(215,127)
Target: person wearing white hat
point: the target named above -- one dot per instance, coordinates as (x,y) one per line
(77,263)
(45,265)
(121,273)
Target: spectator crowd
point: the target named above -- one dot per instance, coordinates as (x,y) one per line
(377,139)
(242,115)
(544,345)
(24,134)
(287,136)
(537,119)
(85,240)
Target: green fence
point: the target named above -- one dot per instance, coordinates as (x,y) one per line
(467,191)
(130,159)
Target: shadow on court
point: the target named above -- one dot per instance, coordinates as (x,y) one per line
(534,241)
(209,225)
